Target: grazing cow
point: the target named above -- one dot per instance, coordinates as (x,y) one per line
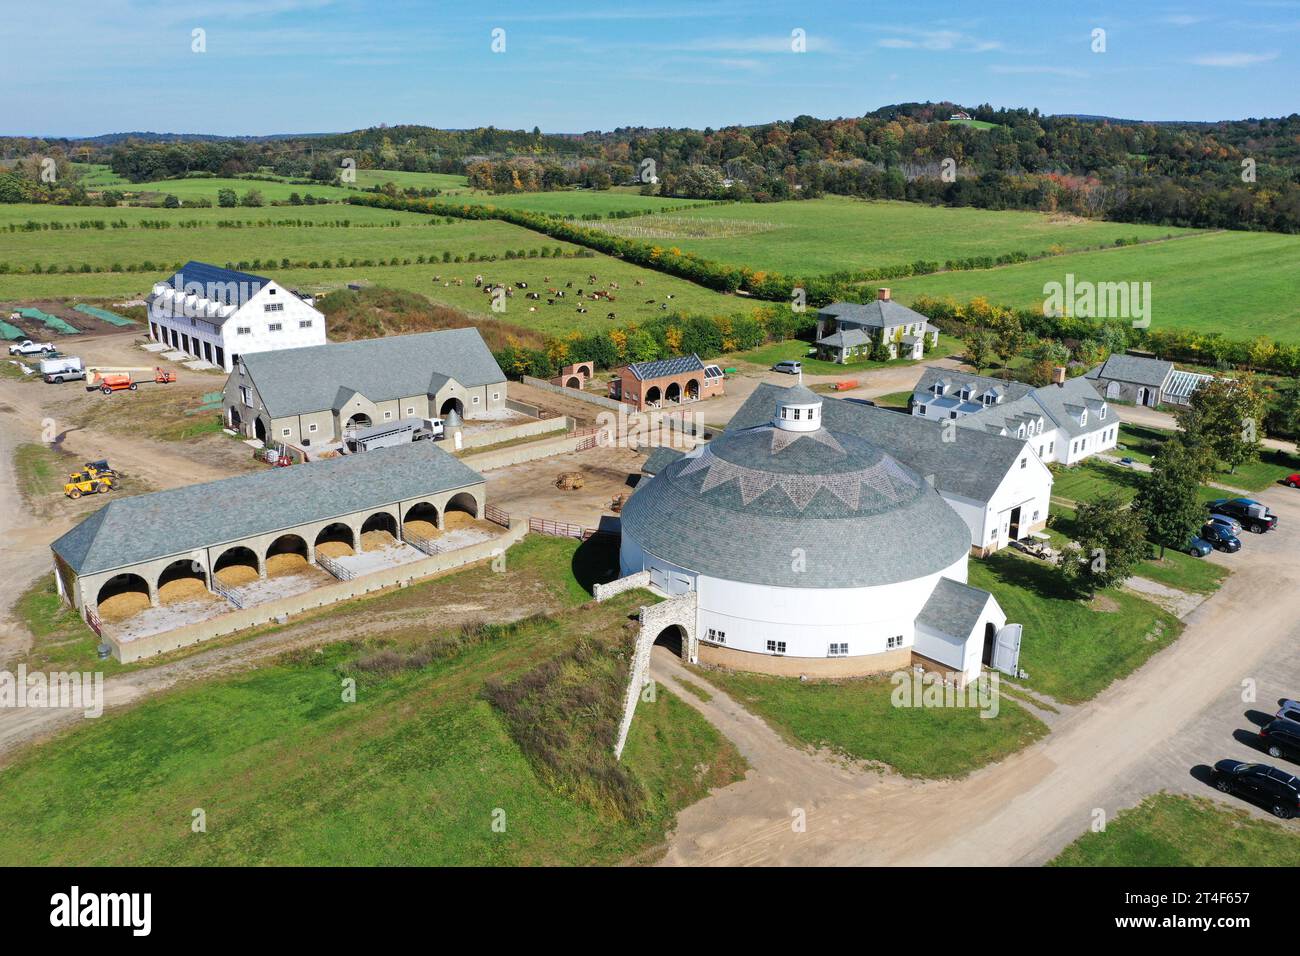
(670,295)
(534,295)
(640,282)
(582,310)
(610,315)
(550,302)
(649,301)
(663,305)
(521,285)
(478,282)
(569,284)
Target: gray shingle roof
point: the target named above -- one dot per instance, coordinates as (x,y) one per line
(181,520)
(971,466)
(880,314)
(669,366)
(980,384)
(849,338)
(320,377)
(954,608)
(819,510)
(660,458)
(1062,403)
(1135,369)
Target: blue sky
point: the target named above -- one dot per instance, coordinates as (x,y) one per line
(82,67)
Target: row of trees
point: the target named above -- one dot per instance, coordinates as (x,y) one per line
(1222,425)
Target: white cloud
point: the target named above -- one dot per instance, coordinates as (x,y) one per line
(1018,68)
(1233,59)
(913,39)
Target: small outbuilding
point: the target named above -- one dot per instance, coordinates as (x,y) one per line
(666,382)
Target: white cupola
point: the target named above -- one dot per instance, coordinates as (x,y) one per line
(799,410)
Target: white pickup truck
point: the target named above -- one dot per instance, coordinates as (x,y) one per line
(28,347)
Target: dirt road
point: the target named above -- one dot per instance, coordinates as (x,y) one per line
(1145,733)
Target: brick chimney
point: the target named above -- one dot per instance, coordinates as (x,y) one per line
(882,295)
(1058,375)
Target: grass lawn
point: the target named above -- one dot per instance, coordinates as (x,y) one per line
(413,772)
(1174,830)
(1190,279)
(1093,478)
(1072,649)
(835,233)
(580,202)
(61,640)
(798,350)
(1272,465)
(1175,569)
(893,400)
(858,718)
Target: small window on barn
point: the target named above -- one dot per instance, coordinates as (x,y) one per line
(475,399)
(895,641)
(243,330)
(285,432)
(275,327)
(388,416)
(311,428)
(304,324)
(410,409)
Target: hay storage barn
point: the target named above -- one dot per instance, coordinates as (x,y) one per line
(310,396)
(143,543)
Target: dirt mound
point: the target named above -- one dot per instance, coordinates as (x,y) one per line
(335,549)
(377,541)
(236,574)
(283,565)
(422,529)
(183,589)
(119,607)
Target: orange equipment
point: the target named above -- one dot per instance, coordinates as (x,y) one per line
(109,380)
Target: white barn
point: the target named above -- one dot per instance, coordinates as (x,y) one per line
(1064,422)
(217,315)
(806,549)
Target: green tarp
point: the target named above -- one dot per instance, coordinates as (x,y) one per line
(104,315)
(8,331)
(49,321)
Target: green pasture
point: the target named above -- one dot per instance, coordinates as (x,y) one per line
(1241,284)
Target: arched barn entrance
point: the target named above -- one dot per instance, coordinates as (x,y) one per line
(359,420)
(460,510)
(236,566)
(693,389)
(259,430)
(287,554)
(673,393)
(673,637)
(122,596)
(653,395)
(336,541)
(379,531)
(234,419)
(421,520)
(182,580)
(452,405)
(573,382)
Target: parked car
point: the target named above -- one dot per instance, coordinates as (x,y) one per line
(1292,481)
(1288,708)
(28,347)
(59,370)
(1221,538)
(1231,525)
(1127,462)
(788,366)
(1275,790)
(1281,738)
(1198,547)
(1252,515)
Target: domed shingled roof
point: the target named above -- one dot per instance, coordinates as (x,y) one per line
(809,508)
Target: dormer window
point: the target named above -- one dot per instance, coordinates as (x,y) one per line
(1083,417)
(1102,414)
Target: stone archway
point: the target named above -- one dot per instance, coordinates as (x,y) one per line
(672,637)
(259,430)
(452,405)
(676,615)
(673,393)
(359,420)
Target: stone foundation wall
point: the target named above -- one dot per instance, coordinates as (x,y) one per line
(603,592)
(783,666)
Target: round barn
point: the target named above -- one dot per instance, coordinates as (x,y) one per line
(800,550)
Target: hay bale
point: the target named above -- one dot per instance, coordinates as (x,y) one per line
(570,480)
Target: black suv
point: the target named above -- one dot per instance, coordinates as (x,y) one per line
(1281,738)
(1252,515)
(1276,790)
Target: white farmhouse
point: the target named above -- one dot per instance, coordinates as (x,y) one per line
(217,315)
(1064,422)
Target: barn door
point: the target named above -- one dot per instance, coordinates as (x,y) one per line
(1006,649)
